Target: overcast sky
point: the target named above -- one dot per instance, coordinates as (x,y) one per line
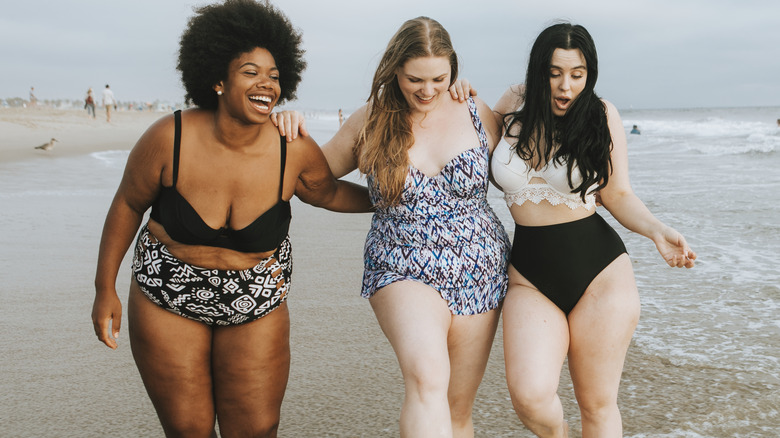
(652,53)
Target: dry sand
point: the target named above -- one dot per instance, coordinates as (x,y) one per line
(21,129)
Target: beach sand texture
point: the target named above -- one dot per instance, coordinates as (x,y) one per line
(59,381)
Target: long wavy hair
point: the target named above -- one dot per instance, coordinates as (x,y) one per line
(387,133)
(579,137)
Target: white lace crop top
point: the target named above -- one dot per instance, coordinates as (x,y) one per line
(514,176)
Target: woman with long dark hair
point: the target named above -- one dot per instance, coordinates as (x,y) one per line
(572,291)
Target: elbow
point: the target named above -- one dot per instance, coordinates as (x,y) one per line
(614,197)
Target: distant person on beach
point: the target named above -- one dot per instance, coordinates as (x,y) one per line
(436,254)
(108,101)
(635,130)
(572,291)
(341,118)
(89,103)
(33,99)
(207,312)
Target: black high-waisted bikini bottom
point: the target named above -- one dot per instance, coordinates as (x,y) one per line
(561,260)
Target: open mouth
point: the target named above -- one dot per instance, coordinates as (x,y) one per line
(562,103)
(262,103)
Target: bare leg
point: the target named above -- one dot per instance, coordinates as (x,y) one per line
(416,321)
(601,326)
(173,355)
(470,340)
(536,339)
(251,364)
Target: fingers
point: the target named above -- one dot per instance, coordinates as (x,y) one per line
(465,90)
(116,324)
(684,260)
(302,128)
(461,89)
(107,320)
(456,91)
(681,254)
(102,327)
(690,256)
(288,124)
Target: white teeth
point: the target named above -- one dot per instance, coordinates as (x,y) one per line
(261,98)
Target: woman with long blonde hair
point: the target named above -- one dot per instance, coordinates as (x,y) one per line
(436,254)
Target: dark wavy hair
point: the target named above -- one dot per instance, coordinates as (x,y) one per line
(582,135)
(218,33)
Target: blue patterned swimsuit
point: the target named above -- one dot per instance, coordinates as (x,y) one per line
(442,233)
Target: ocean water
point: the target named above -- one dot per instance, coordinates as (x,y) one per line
(704,360)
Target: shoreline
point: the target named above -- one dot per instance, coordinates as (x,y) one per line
(77,134)
(344,377)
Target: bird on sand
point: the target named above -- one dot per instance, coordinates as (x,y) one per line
(48,145)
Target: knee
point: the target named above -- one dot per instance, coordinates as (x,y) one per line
(265,427)
(531,397)
(598,410)
(460,412)
(188,426)
(426,383)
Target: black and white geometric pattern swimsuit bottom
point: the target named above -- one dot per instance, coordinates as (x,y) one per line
(211,296)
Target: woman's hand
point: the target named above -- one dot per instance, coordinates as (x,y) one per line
(673,248)
(107,314)
(461,89)
(290,123)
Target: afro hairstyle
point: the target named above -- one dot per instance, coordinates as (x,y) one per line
(218,33)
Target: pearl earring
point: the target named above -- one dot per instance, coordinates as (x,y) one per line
(219,93)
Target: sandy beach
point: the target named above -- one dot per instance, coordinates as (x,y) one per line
(59,381)
(344,380)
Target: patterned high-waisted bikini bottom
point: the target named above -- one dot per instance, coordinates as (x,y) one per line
(211,296)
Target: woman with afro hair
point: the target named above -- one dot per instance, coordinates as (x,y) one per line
(208,320)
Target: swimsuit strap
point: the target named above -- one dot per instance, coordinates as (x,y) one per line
(177,148)
(477,122)
(176,145)
(284,160)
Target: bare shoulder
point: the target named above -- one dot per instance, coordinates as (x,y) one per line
(610,108)
(484,111)
(303,153)
(156,141)
(301,146)
(481,105)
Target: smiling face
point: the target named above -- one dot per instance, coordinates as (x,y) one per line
(252,86)
(424,80)
(568,76)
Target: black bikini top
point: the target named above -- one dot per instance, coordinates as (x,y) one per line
(185,225)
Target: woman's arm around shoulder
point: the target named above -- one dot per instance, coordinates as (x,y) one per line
(509,102)
(139,187)
(317,186)
(620,200)
(340,149)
